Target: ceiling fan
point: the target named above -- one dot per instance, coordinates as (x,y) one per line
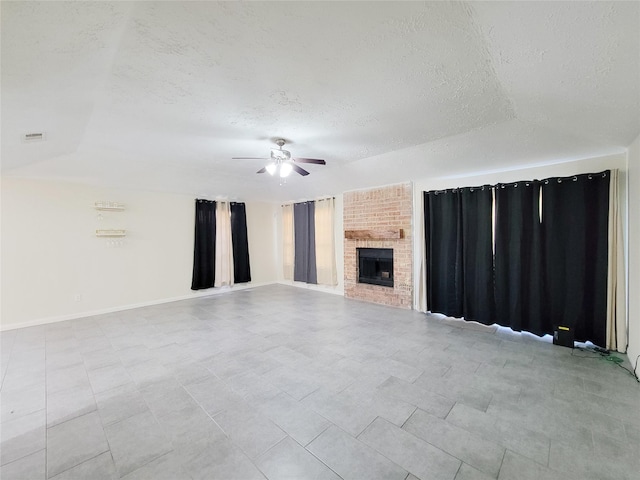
(282,162)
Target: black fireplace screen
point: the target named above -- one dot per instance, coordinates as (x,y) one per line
(375,266)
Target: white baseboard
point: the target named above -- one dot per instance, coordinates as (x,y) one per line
(311,286)
(120,308)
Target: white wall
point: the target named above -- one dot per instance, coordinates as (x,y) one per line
(54,267)
(634,250)
(339,243)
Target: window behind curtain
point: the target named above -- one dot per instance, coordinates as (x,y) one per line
(325,242)
(204,250)
(304,268)
(241,268)
(550,261)
(443,239)
(575,238)
(478,302)
(224,246)
(287,241)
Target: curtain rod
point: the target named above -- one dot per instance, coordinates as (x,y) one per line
(307,201)
(527,183)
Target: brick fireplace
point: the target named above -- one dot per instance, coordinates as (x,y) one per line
(380,218)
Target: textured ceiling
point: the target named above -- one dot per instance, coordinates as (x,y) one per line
(161,95)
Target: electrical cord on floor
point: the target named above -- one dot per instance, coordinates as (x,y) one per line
(606,355)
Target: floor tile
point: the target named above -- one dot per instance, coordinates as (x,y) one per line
(167,401)
(108,377)
(432,403)
(505,432)
(22,436)
(378,403)
(291,381)
(18,403)
(517,467)
(618,463)
(31,467)
(219,459)
(136,441)
(19,377)
(189,424)
(66,404)
(145,373)
(120,403)
(189,372)
(73,442)
(349,415)
(166,467)
(410,452)
(213,396)
(467,472)
(253,432)
(96,468)
(352,459)
(65,378)
(460,392)
(297,420)
(470,448)
(252,387)
(295,367)
(289,461)
(100,358)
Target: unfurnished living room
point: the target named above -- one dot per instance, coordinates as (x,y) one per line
(320,240)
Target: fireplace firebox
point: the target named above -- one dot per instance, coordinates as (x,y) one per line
(375,266)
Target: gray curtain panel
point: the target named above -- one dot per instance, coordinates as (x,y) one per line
(304,269)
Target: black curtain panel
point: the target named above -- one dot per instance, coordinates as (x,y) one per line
(575,235)
(304,269)
(519,259)
(443,231)
(204,250)
(241,269)
(478,302)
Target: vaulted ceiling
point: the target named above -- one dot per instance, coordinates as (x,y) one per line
(161,95)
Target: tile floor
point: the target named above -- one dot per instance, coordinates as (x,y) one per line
(284,383)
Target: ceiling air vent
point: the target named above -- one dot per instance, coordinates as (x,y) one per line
(33,137)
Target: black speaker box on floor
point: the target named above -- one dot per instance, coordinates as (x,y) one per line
(563,336)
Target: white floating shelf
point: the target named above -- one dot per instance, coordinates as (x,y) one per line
(111,233)
(113,206)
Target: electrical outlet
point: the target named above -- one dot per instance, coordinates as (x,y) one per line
(77,297)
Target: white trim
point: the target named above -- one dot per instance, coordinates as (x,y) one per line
(311,286)
(91,313)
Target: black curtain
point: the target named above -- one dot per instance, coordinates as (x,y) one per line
(575,236)
(304,269)
(204,250)
(444,252)
(476,205)
(241,269)
(519,259)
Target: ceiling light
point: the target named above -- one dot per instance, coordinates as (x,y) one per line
(278,154)
(271,168)
(285,169)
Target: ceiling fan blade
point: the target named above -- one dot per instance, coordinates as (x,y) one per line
(249,158)
(301,171)
(262,170)
(317,161)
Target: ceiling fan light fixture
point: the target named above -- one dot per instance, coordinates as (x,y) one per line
(278,154)
(271,168)
(285,170)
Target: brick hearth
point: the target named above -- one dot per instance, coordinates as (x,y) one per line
(380,209)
